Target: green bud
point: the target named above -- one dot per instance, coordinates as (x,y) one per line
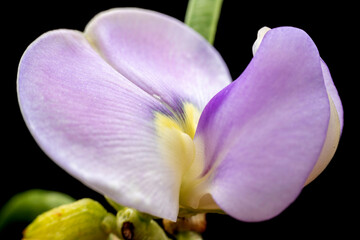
(85,219)
(134,225)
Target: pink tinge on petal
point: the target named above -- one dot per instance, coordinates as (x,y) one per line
(263,134)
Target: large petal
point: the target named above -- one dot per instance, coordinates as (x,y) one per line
(159,54)
(336,121)
(95,123)
(264,133)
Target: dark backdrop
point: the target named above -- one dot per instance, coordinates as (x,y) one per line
(326,207)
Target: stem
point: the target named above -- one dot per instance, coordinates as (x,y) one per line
(203,16)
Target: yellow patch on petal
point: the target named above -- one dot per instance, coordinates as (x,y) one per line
(186,122)
(176,135)
(192,116)
(176,143)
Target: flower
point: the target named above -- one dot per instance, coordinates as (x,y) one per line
(142,109)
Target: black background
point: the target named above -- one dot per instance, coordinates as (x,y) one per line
(327,207)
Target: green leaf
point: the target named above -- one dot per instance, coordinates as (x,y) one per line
(203,16)
(26,206)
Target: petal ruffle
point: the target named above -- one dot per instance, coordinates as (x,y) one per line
(159,54)
(263,133)
(95,123)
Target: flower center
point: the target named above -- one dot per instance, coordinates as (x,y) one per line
(185,122)
(176,144)
(185,157)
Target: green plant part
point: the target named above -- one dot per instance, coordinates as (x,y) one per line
(134,225)
(26,206)
(85,219)
(203,16)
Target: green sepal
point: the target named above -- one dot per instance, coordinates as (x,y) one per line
(26,206)
(203,17)
(85,219)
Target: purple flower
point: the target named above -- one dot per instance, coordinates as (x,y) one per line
(142,109)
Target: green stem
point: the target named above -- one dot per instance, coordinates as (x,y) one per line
(203,16)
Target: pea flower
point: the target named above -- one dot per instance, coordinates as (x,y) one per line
(142,109)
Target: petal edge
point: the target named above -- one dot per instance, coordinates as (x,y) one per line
(269,128)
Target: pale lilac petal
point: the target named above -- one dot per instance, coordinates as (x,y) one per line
(95,123)
(263,133)
(159,54)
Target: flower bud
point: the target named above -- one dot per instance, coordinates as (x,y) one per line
(85,219)
(134,225)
